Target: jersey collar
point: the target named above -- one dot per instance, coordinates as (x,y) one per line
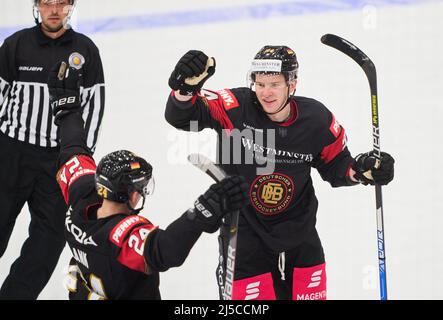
(42,39)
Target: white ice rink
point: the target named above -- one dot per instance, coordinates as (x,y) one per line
(140,42)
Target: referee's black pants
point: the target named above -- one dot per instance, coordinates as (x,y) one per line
(27,174)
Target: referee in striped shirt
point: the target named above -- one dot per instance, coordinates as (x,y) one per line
(29,138)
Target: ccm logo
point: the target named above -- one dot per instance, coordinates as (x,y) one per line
(64,101)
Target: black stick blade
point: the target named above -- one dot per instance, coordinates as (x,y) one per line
(354,53)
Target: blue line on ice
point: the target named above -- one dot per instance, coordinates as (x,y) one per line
(220,15)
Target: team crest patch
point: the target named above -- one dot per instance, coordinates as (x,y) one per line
(76,60)
(271,194)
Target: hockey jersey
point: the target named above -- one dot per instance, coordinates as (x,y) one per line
(120,256)
(108,252)
(275,158)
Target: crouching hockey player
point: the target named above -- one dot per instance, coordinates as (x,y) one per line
(118,254)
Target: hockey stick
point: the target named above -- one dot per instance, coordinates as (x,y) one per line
(369,68)
(216,172)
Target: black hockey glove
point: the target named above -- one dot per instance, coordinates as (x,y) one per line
(224,197)
(64,90)
(191,72)
(368,170)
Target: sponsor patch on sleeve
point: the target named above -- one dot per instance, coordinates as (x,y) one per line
(76,167)
(331,151)
(130,236)
(228,99)
(218,103)
(335,127)
(122,228)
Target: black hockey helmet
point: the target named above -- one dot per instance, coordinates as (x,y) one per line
(275,60)
(120,173)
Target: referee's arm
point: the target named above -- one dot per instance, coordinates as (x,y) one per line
(5,74)
(92,97)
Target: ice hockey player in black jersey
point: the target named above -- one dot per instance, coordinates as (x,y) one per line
(118,254)
(272,138)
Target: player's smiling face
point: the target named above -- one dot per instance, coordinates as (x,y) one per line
(272,91)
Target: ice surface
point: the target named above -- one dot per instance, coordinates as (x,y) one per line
(406,45)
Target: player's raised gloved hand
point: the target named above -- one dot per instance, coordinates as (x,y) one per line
(191,72)
(64,90)
(224,197)
(369,170)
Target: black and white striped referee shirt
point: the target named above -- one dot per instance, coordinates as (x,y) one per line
(26,58)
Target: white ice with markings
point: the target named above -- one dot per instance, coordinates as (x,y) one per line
(405,43)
